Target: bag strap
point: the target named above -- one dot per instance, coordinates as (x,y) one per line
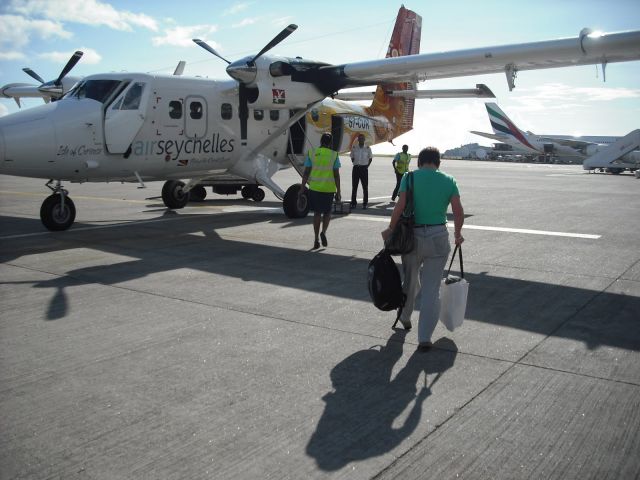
(408,208)
(457,249)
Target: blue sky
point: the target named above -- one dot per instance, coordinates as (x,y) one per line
(152,36)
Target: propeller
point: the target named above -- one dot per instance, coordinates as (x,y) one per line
(245,72)
(75,58)
(209,49)
(33,74)
(54,87)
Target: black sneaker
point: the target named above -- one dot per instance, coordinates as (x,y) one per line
(323,237)
(316,245)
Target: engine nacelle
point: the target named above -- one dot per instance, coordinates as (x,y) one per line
(284,94)
(274,89)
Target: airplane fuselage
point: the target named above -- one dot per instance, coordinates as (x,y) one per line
(180,128)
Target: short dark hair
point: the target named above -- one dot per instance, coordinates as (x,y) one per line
(325,140)
(429,155)
(405,147)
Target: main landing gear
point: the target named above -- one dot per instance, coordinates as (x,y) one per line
(57,211)
(174,196)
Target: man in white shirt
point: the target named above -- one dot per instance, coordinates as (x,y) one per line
(361,158)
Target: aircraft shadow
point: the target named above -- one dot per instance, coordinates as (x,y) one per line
(595,318)
(366,403)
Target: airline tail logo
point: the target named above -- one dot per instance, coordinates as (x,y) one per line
(503,126)
(405,40)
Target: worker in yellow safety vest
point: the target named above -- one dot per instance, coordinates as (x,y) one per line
(400,167)
(322,171)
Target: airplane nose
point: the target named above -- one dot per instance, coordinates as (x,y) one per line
(27,142)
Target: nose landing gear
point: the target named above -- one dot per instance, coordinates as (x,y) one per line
(57,211)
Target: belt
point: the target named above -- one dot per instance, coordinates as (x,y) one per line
(429,225)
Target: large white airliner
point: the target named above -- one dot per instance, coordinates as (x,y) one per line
(611,152)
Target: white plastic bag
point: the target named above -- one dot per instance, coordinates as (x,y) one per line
(453,295)
(453,301)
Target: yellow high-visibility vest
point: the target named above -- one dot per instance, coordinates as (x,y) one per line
(321,177)
(402,164)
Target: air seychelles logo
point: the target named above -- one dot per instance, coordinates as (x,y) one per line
(279,95)
(172,149)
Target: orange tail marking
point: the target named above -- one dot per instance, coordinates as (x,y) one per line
(405,40)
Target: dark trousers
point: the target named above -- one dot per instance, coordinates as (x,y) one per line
(395,190)
(360,173)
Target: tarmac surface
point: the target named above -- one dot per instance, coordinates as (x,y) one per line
(211,343)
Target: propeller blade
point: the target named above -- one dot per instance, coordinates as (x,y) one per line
(276,40)
(33,74)
(75,58)
(204,45)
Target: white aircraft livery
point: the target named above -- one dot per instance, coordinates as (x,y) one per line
(237,133)
(610,152)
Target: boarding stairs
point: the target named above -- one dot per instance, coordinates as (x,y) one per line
(606,157)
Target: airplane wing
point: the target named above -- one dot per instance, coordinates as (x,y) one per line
(481,91)
(585,49)
(568,142)
(501,138)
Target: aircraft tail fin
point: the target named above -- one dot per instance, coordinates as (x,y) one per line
(398,110)
(502,125)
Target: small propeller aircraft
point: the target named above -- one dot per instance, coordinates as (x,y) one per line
(236,134)
(51,90)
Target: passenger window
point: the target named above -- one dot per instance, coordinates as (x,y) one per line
(226,111)
(132,98)
(274,115)
(258,114)
(175,109)
(195,110)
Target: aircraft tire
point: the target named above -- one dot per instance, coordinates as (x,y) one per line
(246,192)
(173,195)
(57,218)
(615,171)
(197,194)
(291,206)
(257,195)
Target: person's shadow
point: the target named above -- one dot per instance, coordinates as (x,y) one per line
(365,415)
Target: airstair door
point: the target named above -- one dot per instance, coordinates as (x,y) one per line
(124,117)
(605,157)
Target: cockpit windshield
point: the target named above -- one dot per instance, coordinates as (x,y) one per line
(99,90)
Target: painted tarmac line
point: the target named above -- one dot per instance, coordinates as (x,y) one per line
(274,210)
(493,229)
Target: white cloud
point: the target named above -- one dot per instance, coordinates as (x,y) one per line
(282,21)
(181,36)
(244,23)
(88,12)
(3,110)
(16,31)
(238,7)
(89,57)
(11,55)
(560,96)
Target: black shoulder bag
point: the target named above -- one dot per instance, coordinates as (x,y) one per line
(402,240)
